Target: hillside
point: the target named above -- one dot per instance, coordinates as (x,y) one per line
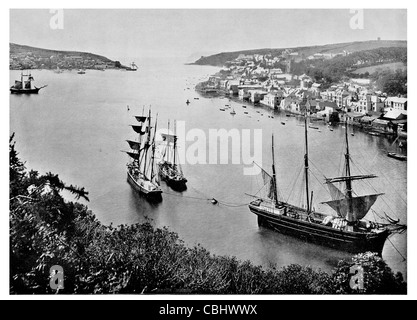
(381,67)
(221,58)
(26,57)
(330,71)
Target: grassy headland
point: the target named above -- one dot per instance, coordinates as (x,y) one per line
(26,57)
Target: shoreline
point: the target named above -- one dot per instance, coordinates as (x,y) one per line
(222,94)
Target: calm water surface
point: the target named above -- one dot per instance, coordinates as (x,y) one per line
(77,126)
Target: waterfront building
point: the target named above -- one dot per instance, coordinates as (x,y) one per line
(353,118)
(396,103)
(233,87)
(377,103)
(272,99)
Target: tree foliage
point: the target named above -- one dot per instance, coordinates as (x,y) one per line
(334,70)
(378,278)
(391,82)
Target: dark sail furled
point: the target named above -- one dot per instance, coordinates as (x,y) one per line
(360,206)
(168,137)
(27,85)
(133,144)
(350,178)
(18,84)
(141,118)
(138,129)
(133,155)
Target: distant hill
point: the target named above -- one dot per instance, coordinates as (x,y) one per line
(17,48)
(221,58)
(27,57)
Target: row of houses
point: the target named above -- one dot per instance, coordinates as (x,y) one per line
(350,97)
(351,101)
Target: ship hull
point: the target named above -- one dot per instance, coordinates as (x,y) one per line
(177,185)
(24,91)
(154,195)
(397,156)
(353,242)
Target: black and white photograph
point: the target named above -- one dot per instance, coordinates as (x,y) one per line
(177,152)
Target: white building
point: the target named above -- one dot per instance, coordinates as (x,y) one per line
(272,100)
(395,103)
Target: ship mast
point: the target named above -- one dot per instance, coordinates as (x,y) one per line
(306,163)
(140,144)
(153,149)
(352,208)
(167,146)
(175,142)
(274,178)
(147,144)
(348,180)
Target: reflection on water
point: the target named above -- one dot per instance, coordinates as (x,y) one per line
(78,125)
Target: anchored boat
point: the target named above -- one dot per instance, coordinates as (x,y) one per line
(133,67)
(24,86)
(347,231)
(397,156)
(141,170)
(169,168)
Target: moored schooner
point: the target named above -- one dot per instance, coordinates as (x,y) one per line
(169,167)
(25,86)
(141,170)
(347,231)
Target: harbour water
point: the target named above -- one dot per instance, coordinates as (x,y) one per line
(78,125)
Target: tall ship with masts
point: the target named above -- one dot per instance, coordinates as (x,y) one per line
(346,231)
(24,86)
(142,173)
(133,67)
(169,167)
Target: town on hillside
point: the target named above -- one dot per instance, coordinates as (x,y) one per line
(270,81)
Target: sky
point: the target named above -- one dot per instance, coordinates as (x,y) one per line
(186,33)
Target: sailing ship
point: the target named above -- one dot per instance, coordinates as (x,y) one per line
(133,67)
(25,86)
(81,71)
(346,232)
(141,170)
(169,167)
